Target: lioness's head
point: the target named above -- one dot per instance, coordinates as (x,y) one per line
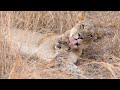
(81,34)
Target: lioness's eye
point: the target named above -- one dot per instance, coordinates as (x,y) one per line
(90,35)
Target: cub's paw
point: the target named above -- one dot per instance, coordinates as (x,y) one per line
(62,45)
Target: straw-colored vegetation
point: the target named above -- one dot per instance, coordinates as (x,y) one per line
(102,56)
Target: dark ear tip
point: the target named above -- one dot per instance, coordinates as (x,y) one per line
(58,46)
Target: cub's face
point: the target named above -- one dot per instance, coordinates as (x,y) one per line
(81,34)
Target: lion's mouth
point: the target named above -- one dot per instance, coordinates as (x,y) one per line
(73,42)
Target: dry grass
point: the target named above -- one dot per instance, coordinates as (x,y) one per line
(103,56)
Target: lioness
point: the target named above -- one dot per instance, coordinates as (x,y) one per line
(43,45)
(65,48)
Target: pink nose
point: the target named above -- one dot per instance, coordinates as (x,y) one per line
(72,41)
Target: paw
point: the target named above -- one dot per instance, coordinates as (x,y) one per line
(62,45)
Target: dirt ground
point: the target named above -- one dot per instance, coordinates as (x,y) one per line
(103,56)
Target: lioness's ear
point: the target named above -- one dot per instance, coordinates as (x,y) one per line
(80,26)
(81,16)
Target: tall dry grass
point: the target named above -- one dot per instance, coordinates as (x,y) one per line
(39,21)
(13,66)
